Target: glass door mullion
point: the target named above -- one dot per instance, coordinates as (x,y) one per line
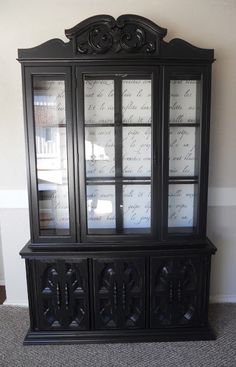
(118,152)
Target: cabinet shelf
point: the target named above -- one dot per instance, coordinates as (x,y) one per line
(51,125)
(126,180)
(179,124)
(121,124)
(182,230)
(183,180)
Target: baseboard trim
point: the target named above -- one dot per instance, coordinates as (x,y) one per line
(2,282)
(223,298)
(15,303)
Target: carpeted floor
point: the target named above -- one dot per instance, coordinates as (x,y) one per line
(219,353)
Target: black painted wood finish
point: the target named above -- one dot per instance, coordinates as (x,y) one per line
(62,287)
(119,287)
(119,293)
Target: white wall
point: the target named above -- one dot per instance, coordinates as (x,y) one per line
(15,233)
(205,23)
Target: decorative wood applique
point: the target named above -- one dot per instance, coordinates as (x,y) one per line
(64,295)
(127,34)
(174,291)
(108,297)
(133,294)
(119,294)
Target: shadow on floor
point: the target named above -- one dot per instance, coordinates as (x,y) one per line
(2,294)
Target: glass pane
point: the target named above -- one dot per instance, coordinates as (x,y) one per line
(184,101)
(136,151)
(182,205)
(136,101)
(183,160)
(137,206)
(53,208)
(101,206)
(99,151)
(49,102)
(99,101)
(51,156)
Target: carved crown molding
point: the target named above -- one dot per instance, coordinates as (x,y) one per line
(103,34)
(128,37)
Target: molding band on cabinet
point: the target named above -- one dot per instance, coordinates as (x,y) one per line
(18,199)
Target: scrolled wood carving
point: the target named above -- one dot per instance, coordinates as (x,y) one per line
(127,34)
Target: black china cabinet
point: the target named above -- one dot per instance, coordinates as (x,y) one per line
(117,132)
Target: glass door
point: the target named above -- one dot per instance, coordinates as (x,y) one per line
(184,129)
(117,127)
(48,120)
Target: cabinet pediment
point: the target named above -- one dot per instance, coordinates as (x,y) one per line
(128,34)
(127,37)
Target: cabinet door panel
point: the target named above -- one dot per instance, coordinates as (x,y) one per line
(133,293)
(119,293)
(116,114)
(186,135)
(106,294)
(175,287)
(50,134)
(63,294)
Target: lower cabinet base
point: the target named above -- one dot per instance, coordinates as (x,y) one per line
(144,336)
(115,297)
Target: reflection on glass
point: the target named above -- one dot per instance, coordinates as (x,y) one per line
(99,151)
(136,101)
(49,102)
(51,154)
(101,206)
(182,205)
(182,148)
(53,206)
(136,151)
(137,206)
(99,101)
(184,101)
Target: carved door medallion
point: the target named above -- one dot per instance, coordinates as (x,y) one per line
(174,291)
(63,290)
(119,293)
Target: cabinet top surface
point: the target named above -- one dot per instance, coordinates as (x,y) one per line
(128,37)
